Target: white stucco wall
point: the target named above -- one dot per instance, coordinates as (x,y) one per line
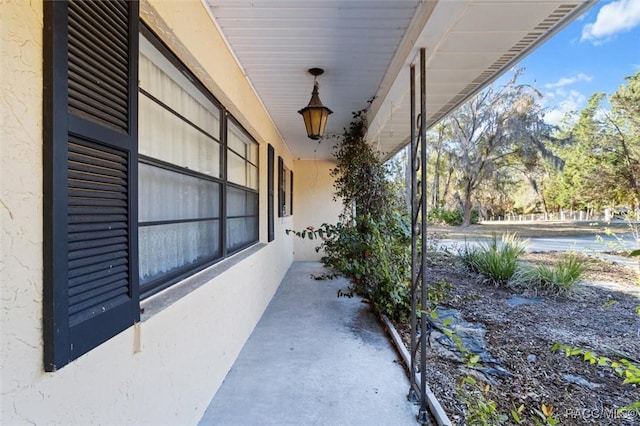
(313,203)
(21,202)
(185,350)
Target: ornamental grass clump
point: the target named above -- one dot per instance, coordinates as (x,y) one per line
(496,261)
(558,279)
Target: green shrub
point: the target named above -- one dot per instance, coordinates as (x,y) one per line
(374,255)
(475,216)
(452,217)
(449,217)
(563,277)
(496,260)
(558,279)
(380,267)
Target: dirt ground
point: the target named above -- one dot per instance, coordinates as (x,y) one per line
(593,317)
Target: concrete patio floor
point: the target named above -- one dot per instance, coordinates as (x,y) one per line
(314,359)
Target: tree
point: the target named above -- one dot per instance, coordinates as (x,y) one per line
(437,142)
(603,161)
(581,184)
(490,131)
(624,136)
(626,101)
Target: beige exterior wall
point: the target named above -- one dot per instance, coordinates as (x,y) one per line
(313,203)
(166,369)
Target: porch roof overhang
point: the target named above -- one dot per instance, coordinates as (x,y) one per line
(365,48)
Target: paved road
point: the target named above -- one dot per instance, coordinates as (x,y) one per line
(582,244)
(586,244)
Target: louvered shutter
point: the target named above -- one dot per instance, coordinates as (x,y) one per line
(281,190)
(291,192)
(270,193)
(90,179)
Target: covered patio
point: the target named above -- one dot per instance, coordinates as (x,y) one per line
(155,161)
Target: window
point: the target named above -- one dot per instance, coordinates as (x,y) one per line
(184,178)
(180,185)
(146,180)
(291,192)
(285,189)
(242,188)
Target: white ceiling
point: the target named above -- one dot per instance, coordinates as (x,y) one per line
(365,48)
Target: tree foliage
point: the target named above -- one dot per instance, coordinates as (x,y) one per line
(495,129)
(603,160)
(496,154)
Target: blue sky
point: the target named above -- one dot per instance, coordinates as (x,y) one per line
(592,54)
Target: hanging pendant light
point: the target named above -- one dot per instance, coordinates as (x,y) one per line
(315,114)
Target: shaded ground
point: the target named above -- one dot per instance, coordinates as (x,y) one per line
(598,319)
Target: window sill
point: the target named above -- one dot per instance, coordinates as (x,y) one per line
(157,303)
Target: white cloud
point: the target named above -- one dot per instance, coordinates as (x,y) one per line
(559,99)
(565,81)
(562,103)
(613,18)
(554,116)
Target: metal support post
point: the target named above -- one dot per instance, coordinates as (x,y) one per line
(423,233)
(414,392)
(420,327)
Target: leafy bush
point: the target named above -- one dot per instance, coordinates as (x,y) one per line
(558,279)
(475,216)
(453,217)
(496,261)
(449,217)
(376,258)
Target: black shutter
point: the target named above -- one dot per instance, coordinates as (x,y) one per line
(90,175)
(291,192)
(270,194)
(281,190)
